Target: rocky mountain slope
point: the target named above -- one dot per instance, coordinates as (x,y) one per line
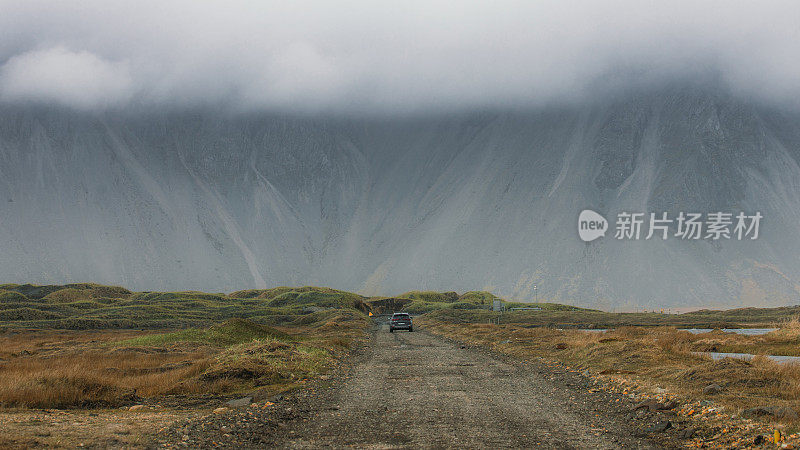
(490,200)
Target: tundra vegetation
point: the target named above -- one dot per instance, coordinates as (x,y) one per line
(91,347)
(86,345)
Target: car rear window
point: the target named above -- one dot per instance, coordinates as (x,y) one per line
(401,316)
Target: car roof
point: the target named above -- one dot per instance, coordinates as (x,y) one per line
(401,314)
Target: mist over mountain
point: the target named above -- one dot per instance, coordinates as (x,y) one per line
(196,199)
(315,56)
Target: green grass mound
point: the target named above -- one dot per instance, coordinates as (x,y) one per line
(478,298)
(265,362)
(226,334)
(466,305)
(423,307)
(431,296)
(81,291)
(320,297)
(91,306)
(12,296)
(426,301)
(67,292)
(28,314)
(67,295)
(423,302)
(266,294)
(306,296)
(31,291)
(182,296)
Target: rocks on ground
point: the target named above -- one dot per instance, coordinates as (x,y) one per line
(659,427)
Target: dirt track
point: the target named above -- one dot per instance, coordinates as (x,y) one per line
(418,390)
(415,389)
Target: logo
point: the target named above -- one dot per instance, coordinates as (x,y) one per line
(591,225)
(686,226)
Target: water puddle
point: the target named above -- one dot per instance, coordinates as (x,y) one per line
(744,331)
(588,330)
(747,356)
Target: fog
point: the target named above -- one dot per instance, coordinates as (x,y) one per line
(380,57)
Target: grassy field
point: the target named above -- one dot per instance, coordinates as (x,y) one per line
(59,369)
(92,351)
(86,345)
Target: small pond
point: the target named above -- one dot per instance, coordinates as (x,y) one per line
(719,355)
(744,331)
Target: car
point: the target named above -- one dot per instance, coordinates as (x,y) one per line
(400,321)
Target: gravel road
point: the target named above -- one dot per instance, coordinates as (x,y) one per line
(417,390)
(409,390)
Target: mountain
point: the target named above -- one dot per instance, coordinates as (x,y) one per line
(219,201)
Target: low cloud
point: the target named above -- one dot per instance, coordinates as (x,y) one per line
(77,79)
(385,57)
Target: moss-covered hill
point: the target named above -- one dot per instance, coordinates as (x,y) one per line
(93,306)
(421,302)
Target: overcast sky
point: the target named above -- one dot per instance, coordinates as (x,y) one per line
(383,56)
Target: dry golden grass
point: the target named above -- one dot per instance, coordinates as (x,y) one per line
(661,357)
(61,369)
(36,341)
(77,373)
